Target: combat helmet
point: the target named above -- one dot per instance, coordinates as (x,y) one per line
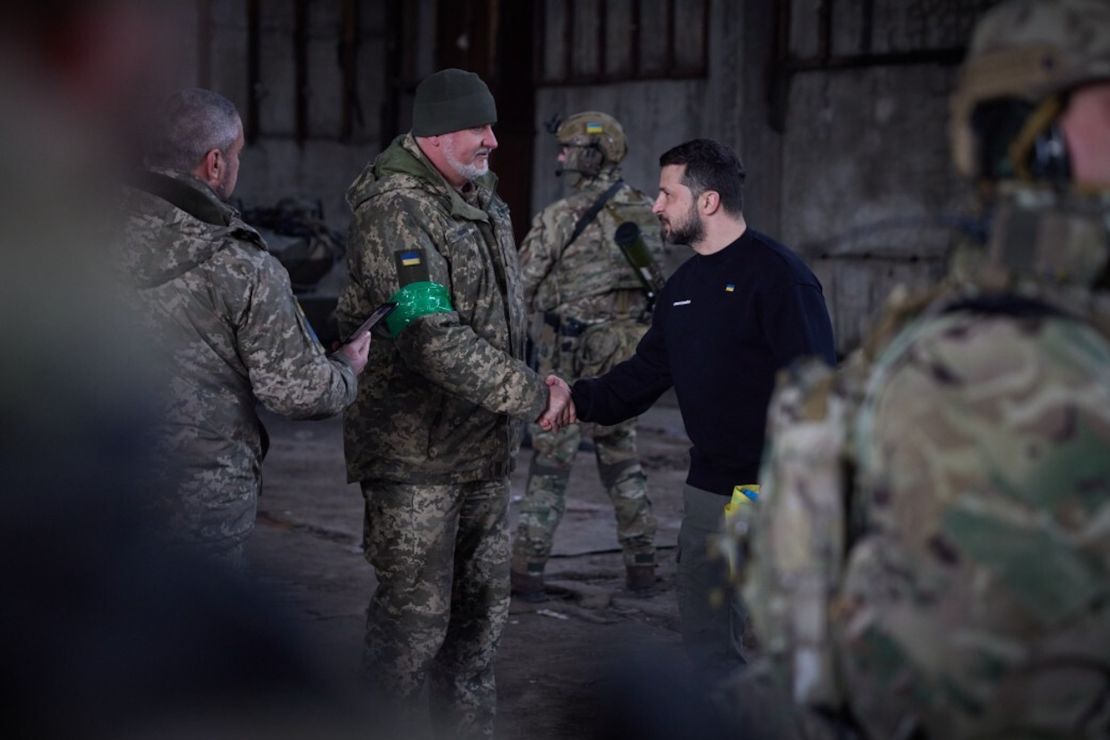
(594,139)
(1024,58)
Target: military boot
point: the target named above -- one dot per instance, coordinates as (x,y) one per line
(641,579)
(527,586)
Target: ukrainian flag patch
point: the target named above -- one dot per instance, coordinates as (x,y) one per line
(730,287)
(411,267)
(593,128)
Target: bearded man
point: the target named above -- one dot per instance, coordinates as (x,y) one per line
(741,309)
(433,446)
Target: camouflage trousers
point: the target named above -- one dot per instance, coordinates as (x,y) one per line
(545,494)
(441,555)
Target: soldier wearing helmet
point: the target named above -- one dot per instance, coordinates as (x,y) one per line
(1034,69)
(930,558)
(589,307)
(589,143)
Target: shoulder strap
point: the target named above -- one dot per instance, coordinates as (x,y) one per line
(588,217)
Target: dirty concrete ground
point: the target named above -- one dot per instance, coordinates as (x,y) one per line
(557,658)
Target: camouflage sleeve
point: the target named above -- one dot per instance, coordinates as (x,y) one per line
(538,253)
(795,542)
(289,371)
(452,356)
(439,346)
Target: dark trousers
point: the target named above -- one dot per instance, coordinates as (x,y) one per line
(710,610)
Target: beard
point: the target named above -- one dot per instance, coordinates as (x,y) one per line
(471,171)
(687,231)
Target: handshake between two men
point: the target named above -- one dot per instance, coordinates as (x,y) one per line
(560,408)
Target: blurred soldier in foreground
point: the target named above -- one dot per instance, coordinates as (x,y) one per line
(106,631)
(932,558)
(432,436)
(225,321)
(595,305)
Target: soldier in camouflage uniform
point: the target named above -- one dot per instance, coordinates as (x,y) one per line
(229,331)
(593,308)
(931,557)
(432,435)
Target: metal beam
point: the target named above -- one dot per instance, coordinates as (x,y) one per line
(300,69)
(254,69)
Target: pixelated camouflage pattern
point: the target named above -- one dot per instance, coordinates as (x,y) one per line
(931,549)
(588,281)
(545,493)
(1027,50)
(442,402)
(441,554)
(229,334)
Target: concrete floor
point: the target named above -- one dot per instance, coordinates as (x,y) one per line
(557,658)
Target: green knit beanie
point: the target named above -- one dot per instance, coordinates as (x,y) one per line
(451,100)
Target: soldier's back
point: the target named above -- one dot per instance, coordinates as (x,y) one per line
(974,599)
(592,280)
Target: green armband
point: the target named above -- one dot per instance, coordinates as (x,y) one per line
(416,300)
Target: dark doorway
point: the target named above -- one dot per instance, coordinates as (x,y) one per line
(493,38)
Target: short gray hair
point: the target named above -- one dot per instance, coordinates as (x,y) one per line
(192,123)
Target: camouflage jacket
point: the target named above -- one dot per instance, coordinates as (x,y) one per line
(589,279)
(931,554)
(442,400)
(230,333)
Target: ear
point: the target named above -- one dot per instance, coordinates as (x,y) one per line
(710,202)
(213,164)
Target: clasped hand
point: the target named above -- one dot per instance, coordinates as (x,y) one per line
(560,408)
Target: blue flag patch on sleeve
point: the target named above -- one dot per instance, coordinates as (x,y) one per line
(411,267)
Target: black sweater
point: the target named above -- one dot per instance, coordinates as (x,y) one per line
(724,325)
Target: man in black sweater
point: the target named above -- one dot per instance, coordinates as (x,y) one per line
(743,307)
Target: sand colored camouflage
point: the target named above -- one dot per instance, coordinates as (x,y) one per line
(229,334)
(931,553)
(589,280)
(931,556)
(1029,50)
(545,500)
(588,310)
(590,142)
(440,402)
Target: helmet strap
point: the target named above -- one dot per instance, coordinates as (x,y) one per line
(1039,152)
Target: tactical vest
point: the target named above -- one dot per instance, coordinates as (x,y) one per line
(932,555)
(591,277)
